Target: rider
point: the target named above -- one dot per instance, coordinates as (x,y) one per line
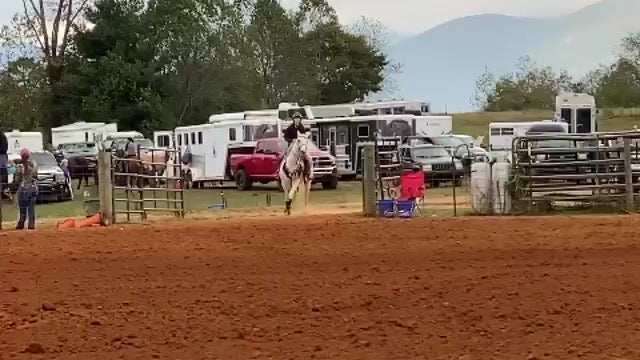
(130,149)
(291,134)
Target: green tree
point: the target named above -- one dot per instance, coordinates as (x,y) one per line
(530,87)
(23,89)
(278,54)
(620,85)
(119,52)
(349,68)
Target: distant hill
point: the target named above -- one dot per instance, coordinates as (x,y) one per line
(442,64)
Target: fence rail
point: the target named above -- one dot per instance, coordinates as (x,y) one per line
(150,182)
(592,168)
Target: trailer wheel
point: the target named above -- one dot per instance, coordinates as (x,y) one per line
(330,184)
(242,180)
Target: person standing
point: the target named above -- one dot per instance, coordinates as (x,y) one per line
(4,164)
(26,176)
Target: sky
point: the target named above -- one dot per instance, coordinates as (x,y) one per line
(411,16)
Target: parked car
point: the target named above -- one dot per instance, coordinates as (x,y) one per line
(453,143)
(65,151)
(263,164)
(51,182)
(436,162)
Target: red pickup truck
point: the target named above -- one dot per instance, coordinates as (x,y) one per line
(263,164)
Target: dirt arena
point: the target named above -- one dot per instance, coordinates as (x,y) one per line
(325,287)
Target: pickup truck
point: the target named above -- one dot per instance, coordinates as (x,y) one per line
(263,164)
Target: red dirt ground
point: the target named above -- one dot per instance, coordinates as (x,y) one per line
(325,287)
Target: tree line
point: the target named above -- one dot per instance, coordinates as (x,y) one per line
(158,64)
(533,86)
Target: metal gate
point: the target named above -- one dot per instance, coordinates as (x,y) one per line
(148,183)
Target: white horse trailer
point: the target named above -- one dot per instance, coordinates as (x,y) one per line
(80,132)
(207,146)
(163,140)
(18,140)
(501,135)
(578,111)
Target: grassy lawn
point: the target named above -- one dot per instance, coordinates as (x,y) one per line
(439,200)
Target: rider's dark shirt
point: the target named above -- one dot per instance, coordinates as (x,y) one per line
(292,131)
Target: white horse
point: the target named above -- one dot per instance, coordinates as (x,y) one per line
(292,172)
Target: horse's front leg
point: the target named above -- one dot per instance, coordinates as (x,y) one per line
(295,185)
(307,190)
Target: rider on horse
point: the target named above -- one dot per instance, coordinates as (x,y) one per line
(291,134)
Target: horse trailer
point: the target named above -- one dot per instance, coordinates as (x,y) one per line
(205,147)
(578,111)
(80,132)
(18,140)
(343,137)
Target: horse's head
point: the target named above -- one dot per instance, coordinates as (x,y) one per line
(302,142)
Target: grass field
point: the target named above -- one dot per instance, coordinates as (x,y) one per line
(477,124)
(199,201)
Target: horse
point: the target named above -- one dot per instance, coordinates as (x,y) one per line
(81,167)
(296,170)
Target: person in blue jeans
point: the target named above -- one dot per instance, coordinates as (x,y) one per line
(26,176)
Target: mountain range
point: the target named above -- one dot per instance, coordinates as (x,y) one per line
(442,64)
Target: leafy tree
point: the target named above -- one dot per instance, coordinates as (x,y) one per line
(119,51)
(350,68)
(530,87)
(620,85)
(23,87)
(278,54)
(377,35)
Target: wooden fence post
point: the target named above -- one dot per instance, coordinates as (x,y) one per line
(105,187)
(628,175)
(369,180)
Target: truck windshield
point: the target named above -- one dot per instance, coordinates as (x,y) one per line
(429,152)
(448,141)
(44,159)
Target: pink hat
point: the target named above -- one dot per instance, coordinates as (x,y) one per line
(25,153)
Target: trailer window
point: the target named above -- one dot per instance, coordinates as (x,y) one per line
(163,141)
(507,131)
(193,138)
(179,137)
(186,139)
(495,131)
(232,134)
(363,131)
(200,137)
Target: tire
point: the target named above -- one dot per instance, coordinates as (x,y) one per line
(243,182)
(331,184)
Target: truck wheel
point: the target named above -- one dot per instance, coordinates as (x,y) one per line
(242,180)
(330,184)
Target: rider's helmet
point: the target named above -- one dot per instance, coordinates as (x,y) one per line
(297,118)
